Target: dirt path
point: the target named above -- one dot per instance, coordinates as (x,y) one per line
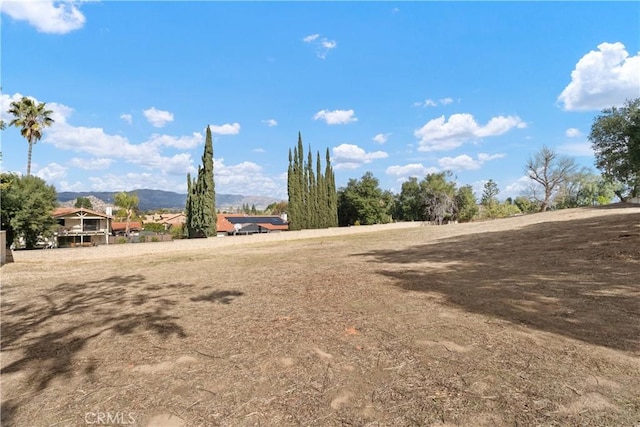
(532,320)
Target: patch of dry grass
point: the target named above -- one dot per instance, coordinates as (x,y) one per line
(531,321)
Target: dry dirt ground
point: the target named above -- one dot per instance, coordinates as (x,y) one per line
(533,320)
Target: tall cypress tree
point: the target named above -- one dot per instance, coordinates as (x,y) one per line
(332,194)
(313,201)
(323,206)
(188,211)
(208,190)
(200,209)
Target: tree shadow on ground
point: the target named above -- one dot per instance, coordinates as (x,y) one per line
(579,279)
(51,329)
(221,297)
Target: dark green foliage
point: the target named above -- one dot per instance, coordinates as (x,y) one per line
(201,196)
(83,202)
(26,204)
(154,226)
(363,202)
(615,139)
(312,196)
(526,205)
(466,203)
(411,201)
(439,196)
(490,193)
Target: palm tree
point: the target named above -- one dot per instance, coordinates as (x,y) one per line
(129,203)
(31,118)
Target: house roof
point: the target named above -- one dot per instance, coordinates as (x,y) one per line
(226,222)
(71,212)
(223,224)
(122,226)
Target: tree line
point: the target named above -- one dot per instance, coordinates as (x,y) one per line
(26,202)
(312,195)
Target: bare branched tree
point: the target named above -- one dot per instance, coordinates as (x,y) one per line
(551,172)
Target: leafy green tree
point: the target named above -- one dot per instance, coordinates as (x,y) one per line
(83,202)
(26,204)
(439,196)
(129,203)
(550,172)
(154,226)
(585,188)
(277,208)
(615,139)
(411,201)
(526,205)
(31,118)
(363,202)
(490,193)
(466,203)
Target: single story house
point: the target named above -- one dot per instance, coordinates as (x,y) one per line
(234,224)
(168,220)
(81,227)
(119,228)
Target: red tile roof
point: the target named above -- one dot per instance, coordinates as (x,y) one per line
(223,225)
(122,226)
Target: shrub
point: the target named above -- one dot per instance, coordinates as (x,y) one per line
(121,240)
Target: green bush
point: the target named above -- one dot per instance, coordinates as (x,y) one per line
(155,239)
(121,240)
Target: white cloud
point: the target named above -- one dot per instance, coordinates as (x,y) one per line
(483,157)
(47,16)
(52,172)
(381,138)
(248,178)
(578,149)
(127,118)
(413,169)
(323,45)
(259,150)
(516,188)
(431,103)
(328,44)
(336,117)
(270,122)
(226,129)
(96,142)
(310,38)
(602,78)
(439,134)
(158,118)
(350,156)
(466,162)
(91,164)
(184,142)
(573,133)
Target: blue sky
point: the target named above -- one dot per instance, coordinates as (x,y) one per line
(396,88)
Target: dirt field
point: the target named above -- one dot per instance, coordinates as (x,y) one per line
(533,320)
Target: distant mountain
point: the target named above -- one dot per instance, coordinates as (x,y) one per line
(158,199)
